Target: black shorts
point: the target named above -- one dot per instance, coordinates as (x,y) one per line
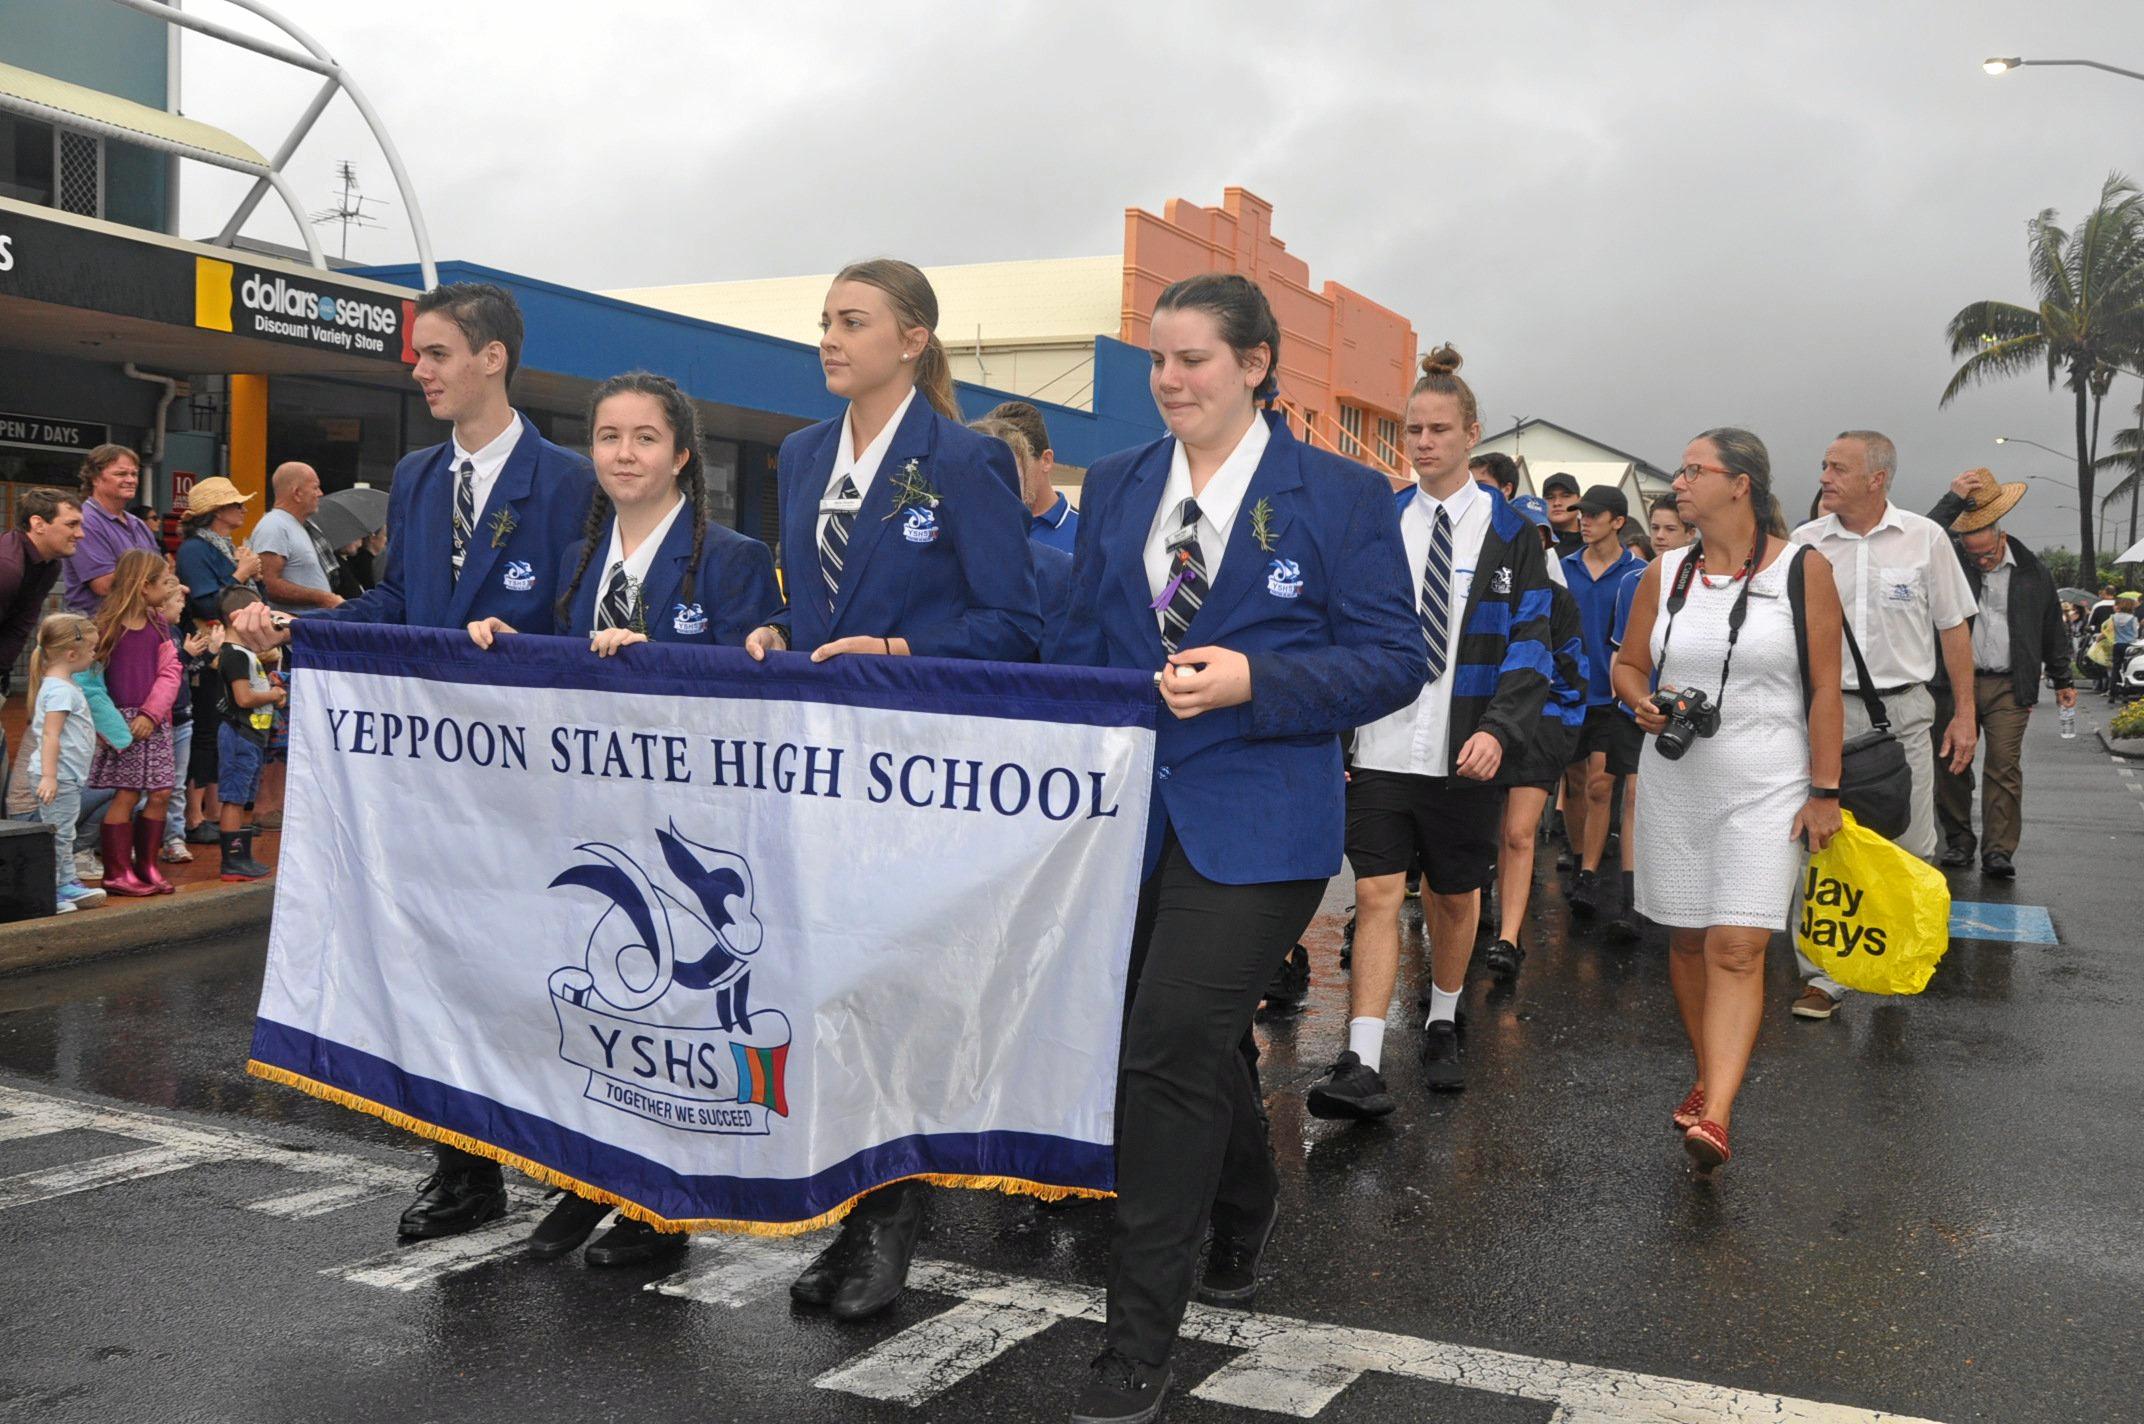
(1453,824)
(1608,730)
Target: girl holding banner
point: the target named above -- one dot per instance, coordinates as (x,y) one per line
(1268,584)
(660,560)
(666,573)
(902,533)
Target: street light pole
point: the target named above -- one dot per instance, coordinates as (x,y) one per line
(2000,66)
(2018,440)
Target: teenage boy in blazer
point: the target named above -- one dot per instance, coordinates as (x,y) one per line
(476,526)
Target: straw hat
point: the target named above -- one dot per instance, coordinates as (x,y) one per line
(1988,503)
(209,495)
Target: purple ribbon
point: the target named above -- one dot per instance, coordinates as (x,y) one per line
(1168,592)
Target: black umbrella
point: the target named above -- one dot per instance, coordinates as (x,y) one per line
(347,516)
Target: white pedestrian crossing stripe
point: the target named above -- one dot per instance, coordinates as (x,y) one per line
(1285,1367)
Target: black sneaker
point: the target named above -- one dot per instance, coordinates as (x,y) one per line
(572,1220)
(1231,1274)
(1291,983)
(1503,960)
(1584,896)
(1121,1391)
(1352,1089)
(1441,1069)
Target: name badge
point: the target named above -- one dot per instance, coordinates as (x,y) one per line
(1181,537)
(830,505)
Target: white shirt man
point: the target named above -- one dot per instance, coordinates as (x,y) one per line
(1416,739)
(1905,597)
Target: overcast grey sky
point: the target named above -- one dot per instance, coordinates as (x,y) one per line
(1636,220)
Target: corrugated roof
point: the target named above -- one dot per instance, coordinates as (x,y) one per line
(1053,299)
(109,109)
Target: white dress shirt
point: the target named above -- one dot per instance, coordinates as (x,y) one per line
(1991,630)
(487,462)
(1417,738)
(1900,584)
(1218,504)
(637,562)
(861,468)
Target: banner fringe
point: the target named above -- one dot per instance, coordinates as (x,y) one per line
(1012,1186)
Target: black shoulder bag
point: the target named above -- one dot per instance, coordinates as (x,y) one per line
(1875,783)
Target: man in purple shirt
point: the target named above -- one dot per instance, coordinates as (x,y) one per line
(111,474)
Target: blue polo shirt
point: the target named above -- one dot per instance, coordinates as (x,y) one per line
(1596,598)
(1055,526)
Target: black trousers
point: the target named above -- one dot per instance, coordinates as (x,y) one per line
(1191,1133)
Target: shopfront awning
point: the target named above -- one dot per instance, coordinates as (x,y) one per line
(41,96)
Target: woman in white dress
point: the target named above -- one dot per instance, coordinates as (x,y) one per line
(1722,828)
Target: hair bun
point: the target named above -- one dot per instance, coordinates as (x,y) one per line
(1444,361)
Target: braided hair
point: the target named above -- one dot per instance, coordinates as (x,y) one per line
(684,422)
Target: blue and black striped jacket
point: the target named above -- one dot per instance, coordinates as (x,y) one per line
(1500,683)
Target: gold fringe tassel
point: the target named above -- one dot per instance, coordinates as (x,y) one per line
(1014,1186)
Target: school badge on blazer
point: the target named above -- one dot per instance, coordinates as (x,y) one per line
(688,620)
(520,575)
(920,527)
(659,1011)
(1284,578)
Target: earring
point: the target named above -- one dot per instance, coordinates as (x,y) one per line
(905,356)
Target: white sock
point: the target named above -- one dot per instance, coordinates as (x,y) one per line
(1443,1004)
(1366,1040)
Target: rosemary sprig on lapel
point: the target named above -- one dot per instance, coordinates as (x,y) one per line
(502,527)
(911,489)
(1262,524)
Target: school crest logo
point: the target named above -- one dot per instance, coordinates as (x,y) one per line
(659,1012)
(520,575)
(921,526)
(689,619)
(1500,581)
(1900,593)
(1284,578)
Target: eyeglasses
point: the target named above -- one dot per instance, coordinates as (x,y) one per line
(1691,472)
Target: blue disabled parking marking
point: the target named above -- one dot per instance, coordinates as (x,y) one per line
(2017,924)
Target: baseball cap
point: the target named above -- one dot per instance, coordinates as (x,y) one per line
(1605,499)
(1533,507)
(1561,480)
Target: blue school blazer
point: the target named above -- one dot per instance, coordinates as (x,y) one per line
(733,593)
(536,510)
(1053,585)
(956,580)
(1326,616)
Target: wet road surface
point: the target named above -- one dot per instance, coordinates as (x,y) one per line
(1932,1214)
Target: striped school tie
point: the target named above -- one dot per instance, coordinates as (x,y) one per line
(464,512)
(616,608)
(1186,588)
(834,542)
(1437,595)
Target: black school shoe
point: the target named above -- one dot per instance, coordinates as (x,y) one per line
(1121,1391)
(1503,960)
(572,1220)
(1956,856)
(635,1243)
(1231,1275)
(1441,1068)
(1996,866)
(452,1201)
(1584,896)
(1291,983)
(1351,1090)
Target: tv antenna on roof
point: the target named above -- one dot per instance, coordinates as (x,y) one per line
(350,210)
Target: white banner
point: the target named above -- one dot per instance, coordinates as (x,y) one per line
(726,943)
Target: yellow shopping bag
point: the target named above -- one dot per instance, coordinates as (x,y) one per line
(1874,917)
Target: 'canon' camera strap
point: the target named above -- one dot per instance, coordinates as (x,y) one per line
(1679,593)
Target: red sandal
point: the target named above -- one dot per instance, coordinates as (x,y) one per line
(1707,1145)
(1691,1112)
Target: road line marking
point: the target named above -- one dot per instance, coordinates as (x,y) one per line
(931,1356)
(1298,1366)
(316,1201)
(29,1188)
(409,1268)
(733,1271)
(39,1121)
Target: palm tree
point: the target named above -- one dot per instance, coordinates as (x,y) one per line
(2087,327)
(2127,443)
